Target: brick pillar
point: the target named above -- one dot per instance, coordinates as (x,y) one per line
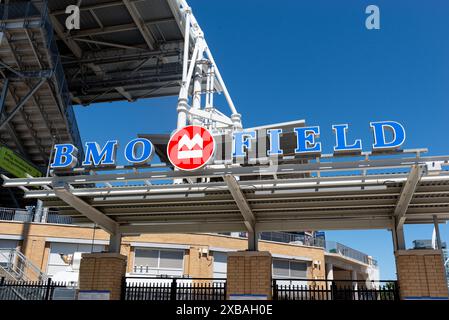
(421,274)
(102,271)
(249,272)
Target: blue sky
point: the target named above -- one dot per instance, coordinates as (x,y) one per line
(315,60)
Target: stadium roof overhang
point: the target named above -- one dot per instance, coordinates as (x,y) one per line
(376,192)
(124,50)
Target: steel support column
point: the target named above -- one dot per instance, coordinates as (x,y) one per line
(437,232)
(253,241)
(115,242)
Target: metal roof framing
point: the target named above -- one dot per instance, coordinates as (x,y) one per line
(334,194)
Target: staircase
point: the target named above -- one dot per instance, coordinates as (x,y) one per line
(20,278)
(15,266)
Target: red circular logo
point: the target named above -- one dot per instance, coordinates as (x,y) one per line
(190,148)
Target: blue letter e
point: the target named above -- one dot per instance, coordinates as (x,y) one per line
(65,156)
(380,140)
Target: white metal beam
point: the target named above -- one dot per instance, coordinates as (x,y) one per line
(183,227)
(324,224)
(63,192)
(241,202)
(407,193)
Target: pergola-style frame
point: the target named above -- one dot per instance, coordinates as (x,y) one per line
(375,192)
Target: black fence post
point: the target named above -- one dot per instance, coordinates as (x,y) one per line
(48,289)
(333,290)
(2,281)
(397,296)
(225,289)
(275,290)
(123,289)
(173,290)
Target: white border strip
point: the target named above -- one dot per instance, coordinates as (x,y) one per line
(75,240)
(159,245)
(299,258)
(220,249)
(10,237)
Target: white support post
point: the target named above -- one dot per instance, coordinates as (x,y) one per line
(183,93)
(208,89)
(212,87)
(253,241)
(115,242)
(354,283)
(197,80)
(329,271)
(437,232)
(188,13)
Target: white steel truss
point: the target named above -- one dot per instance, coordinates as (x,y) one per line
(198,65)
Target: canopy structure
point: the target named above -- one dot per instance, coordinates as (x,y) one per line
(335,193)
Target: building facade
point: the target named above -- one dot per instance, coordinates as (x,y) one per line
(55,249)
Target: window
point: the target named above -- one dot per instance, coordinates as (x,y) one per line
(5,250)
(289,269)
(61,251)
(159,262)
(220,264)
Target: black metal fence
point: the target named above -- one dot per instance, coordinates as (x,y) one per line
(144,288)
(306,289)
(29,290)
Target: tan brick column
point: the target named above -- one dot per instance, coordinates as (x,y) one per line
(34,249)
(249,272)
(421,274)
(102,271)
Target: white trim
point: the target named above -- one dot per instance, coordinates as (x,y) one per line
(79,241)
(159,245)
(274,255)
(10,237)
(299,258)
(220,249)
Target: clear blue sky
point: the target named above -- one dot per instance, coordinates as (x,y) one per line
(315,60)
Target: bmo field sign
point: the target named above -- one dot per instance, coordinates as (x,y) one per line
(192,147)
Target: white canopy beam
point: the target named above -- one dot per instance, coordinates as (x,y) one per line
(63,192)
(408,190)
(405,197)
(242,203)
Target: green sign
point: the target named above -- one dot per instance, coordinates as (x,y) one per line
(15,165)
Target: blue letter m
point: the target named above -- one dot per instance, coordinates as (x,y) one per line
(96,156)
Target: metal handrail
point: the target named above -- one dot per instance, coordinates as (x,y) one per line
(19,266)
(24,215)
